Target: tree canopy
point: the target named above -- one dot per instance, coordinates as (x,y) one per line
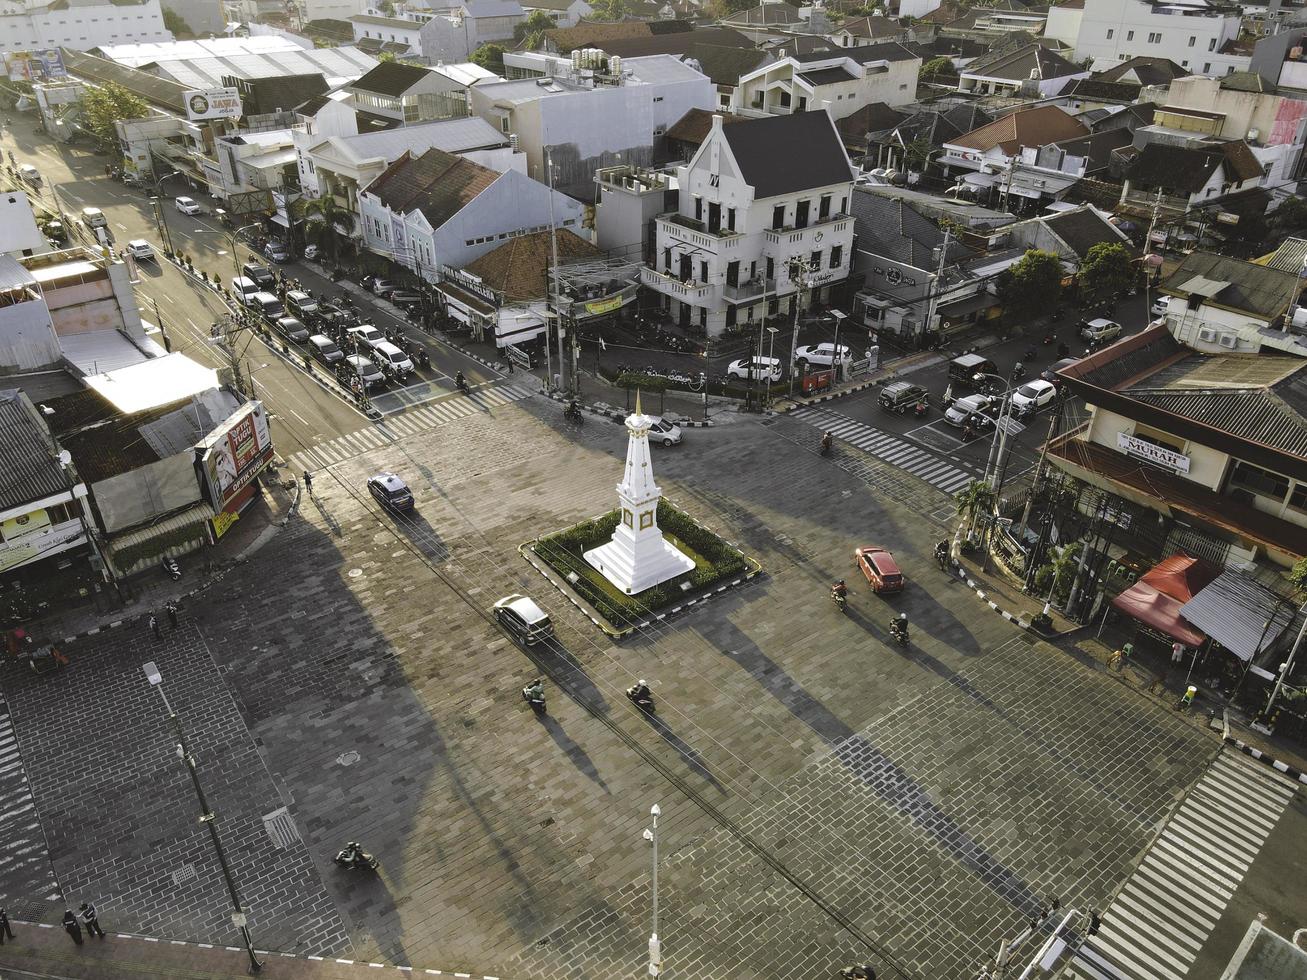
(1031,286)
(490,57)
(611,9)
(943,65)
(1106,273)
(535,22)
(174,22)
(105,105)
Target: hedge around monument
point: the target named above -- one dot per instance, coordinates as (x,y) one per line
(714,560)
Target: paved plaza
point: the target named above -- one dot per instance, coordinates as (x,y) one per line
(826,796)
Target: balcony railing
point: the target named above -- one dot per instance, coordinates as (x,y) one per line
(788,235)
(688,291)
(679,228)
(745,291)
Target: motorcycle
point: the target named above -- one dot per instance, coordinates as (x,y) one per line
(534,695)
(941,556)
(898,629)
(461,382)
(353,856)
(920,409)
(572,413)
(170,566)
(841,599)
(826,444)
(640,696)
(424,359)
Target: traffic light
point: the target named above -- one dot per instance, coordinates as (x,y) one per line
(1094,923)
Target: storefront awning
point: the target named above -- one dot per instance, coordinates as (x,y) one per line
(1160,612)
(1239,613)
(464,299)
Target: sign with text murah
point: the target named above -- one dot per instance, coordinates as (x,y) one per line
(1151,452)
(213,103)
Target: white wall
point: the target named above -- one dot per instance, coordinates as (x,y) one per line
(83,27)
(18,231)
(1192,42)
(917,8)
(1064,24)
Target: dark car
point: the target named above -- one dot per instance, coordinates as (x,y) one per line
(292,329)
(325,350)
(259,273)
(391,492)
(879,568)
(899,396)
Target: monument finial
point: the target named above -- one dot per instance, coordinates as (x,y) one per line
(637,402)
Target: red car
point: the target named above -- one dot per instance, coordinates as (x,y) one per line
(881,569)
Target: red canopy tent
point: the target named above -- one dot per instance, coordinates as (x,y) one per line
(1155,600)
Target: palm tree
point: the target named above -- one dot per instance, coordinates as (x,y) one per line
(973,500)
(326,221)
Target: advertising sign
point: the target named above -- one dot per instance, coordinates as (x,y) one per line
(213,103)
(35,66)
(236,453)
(1152,453)
(32,537)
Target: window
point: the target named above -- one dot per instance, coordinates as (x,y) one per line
(730,218)
(778,217)
(698,209)
(1298,499)
(836,256)
(814,261)
(1130,36)
(823,207)
(658,98)
(1155,37)
(703,271)
(1258,481)
(1211,45)
(1193,39)
(1110,32)
(771,268)
(801,214)
(1207,67)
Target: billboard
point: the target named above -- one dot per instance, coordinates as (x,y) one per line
(235,453)
(213,103)
(35,66)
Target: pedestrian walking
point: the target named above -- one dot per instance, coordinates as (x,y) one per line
(5,928)
(170,607)
(91,920)
(71,926)
(1177,652)
(308,483)
(510,365)
(154,627)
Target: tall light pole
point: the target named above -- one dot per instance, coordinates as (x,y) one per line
(839,361)
(655,947)
(771,349)
(207,816)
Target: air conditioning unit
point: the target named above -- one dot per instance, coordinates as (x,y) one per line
(1229,340)
(1207,336)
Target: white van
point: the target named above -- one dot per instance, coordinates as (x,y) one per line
(244,289)
(268,305)
(94,218)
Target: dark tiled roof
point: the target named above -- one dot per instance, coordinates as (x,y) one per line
(28,470)
(875,117)
(1246,81)
(392,78)
(1018,65)
(310,107)
(1253,288)
(765,13)
(1188,169)
(764,150)
(892,228)
(1272,416)
(1082,229)
(1097,147)
(873,27)
(724,66)
(800,44)
(678,42)
(437,183)
(694,126)
(826,76)
(587,35)
(519,267)
(1145,70)
(863,54)
(1096,90)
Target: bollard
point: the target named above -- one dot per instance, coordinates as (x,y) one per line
(1187,699)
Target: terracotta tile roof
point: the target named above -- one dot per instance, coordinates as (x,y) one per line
(437,183)
(694,126)
(518,267)
(1025,127)
(588,35)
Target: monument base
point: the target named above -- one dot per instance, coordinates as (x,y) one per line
(656,565)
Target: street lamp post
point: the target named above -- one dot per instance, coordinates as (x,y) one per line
(771,350)
(207,816)
(839,361)
(655,947)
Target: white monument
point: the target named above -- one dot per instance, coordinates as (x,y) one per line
(637,557)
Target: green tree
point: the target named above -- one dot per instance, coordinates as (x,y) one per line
(1030,286)
(718,9)
(326,223)
(1298,575)
(973,500)
(105,105)
(943,65)
(536,22)
(490,57)
(609,9)
(918,154)
(174,22)
(386,56)
(1106,273)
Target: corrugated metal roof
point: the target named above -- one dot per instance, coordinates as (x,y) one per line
(13,274)
(1235,612)
(28,470)
(98,351)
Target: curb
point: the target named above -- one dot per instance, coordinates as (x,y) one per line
(617,415)
(830,396)
(1295,774)
(408,971)
(1015,620)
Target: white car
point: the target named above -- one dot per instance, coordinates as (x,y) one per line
(29,173)
(393,360)
(760,368)
(821,354)
(188,205)
(367,334)
(665,432)
(1159,306)
(139,248)
(963,409)
(1034,394)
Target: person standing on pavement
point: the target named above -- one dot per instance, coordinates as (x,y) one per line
(170,607)
(91,920)
(154,627)
(71,926)
(5,928)
(1177,652)
(308,483)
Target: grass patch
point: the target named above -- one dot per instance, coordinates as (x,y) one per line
(714,561)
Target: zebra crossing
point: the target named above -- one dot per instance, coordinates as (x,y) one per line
(924,465)
(409,423)
(25,870)
(1158,923)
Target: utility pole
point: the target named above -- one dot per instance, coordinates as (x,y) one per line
(1054,418)
(1007,184)
(796,276)
(553,248)
(933,306)
(655,947)
(1284,670)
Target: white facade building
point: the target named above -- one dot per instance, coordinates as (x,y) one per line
(594,114)
(438,209)
(81,25)
(840,81)
(747,208)
(1192,33)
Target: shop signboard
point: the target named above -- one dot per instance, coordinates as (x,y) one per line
(236,453)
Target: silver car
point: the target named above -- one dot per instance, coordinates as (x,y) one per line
(525,620)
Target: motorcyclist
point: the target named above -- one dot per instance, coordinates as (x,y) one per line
(535,691)
(968,433)
(573,409)
(826,442)
(1019,369)
(459,380)
(941,552)
(899,626)
(840,590)
(640,692)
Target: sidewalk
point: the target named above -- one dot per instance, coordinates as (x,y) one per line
(147,591)
(47,950)
(1149,672)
